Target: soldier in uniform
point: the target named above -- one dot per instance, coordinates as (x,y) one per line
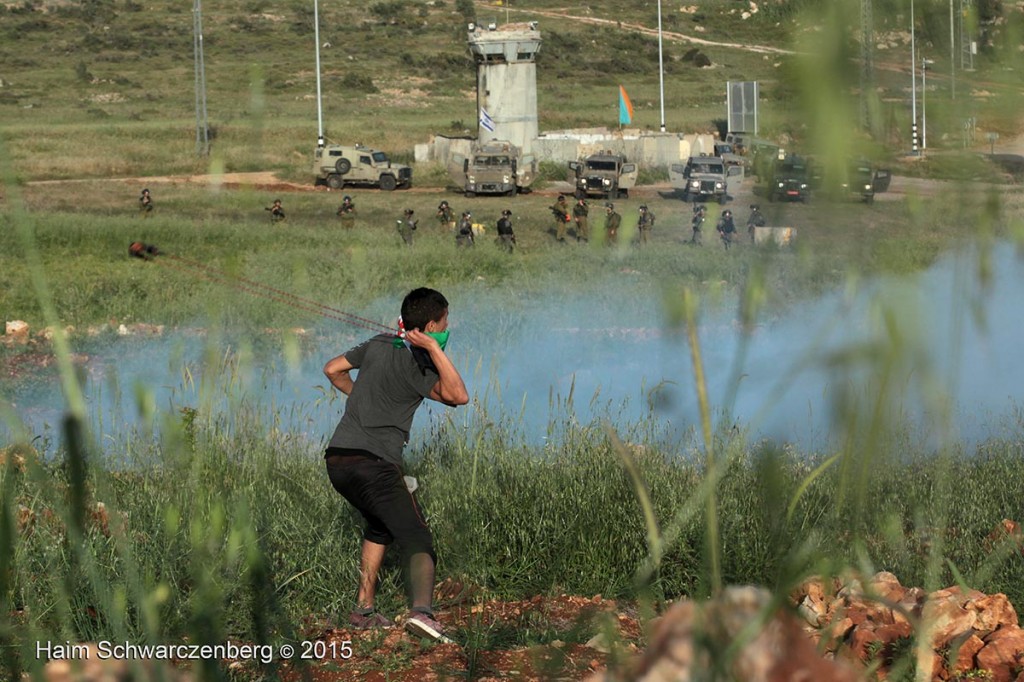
(506,238)
(347,211)
(464,232)
(644,224)
(579,214)
(699,213)
(445,215)
(611,224)
(560,211)
(145,203)
(726,228)
(756,219)
(276,211)
(406,226)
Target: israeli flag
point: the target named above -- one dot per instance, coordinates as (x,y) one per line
(485,120)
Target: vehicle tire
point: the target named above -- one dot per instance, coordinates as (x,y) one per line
(686,196)
(580,194)
(343,166)
(623,193)
(335,181)
(388,183)
(511,192)
(470,195)
(869,200)
(721,200)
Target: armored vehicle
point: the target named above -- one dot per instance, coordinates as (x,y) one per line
(495,167)
(702,178)
(605,174)
(865,181)
(790,180)
(856,179)
(338,165)
(727,153)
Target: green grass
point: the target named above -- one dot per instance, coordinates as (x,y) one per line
(226,527)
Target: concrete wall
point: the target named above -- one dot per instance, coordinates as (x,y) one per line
(645,148)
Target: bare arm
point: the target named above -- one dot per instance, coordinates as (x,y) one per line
(337,372)
(450,389)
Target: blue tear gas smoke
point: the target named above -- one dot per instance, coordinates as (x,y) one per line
(945,338)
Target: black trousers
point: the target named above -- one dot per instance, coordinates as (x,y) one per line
(377,489)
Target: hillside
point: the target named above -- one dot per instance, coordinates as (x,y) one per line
(99,88)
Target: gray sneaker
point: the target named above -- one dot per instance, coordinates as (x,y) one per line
(421,625)
(369,621)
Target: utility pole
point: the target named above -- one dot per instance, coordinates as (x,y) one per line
(319,105)
(952,52)
(661,70)
(867,47)
(202,123)
(925,63)
(913,85)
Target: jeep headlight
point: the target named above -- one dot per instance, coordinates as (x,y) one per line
(606,181)
(695,184)
(781,185)
(471,179)
(718,185)
(506,179)
(803,185)
(867,187)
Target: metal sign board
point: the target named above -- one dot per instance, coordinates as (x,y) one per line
(741,105)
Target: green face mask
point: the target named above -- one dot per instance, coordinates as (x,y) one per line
(440,337)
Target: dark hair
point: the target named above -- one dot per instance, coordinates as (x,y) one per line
(421,306)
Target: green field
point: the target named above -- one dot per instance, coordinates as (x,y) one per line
(219,526)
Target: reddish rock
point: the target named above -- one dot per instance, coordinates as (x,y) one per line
(1003,653)
(993,611)
(966,653)
(885,586)
(943,618)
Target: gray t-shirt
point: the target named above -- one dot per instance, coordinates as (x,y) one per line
(389,386)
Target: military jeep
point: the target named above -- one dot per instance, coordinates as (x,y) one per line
(702,178)
(495,167)
(338,165)
(790,180)
(606,174)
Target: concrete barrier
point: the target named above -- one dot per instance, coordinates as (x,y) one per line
(783,236)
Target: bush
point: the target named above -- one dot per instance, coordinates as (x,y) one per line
(358,81)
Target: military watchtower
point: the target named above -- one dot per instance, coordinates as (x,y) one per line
(506,82)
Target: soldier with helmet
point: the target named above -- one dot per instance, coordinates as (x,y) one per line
(276,211)
(445,215)
(464,232)
(644,224)
(407,225)
(506,237)
(756,219)
(347,211)
(145,203)
(612,222)
(699,214)
(579,214)
(726,228)
(560,211)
